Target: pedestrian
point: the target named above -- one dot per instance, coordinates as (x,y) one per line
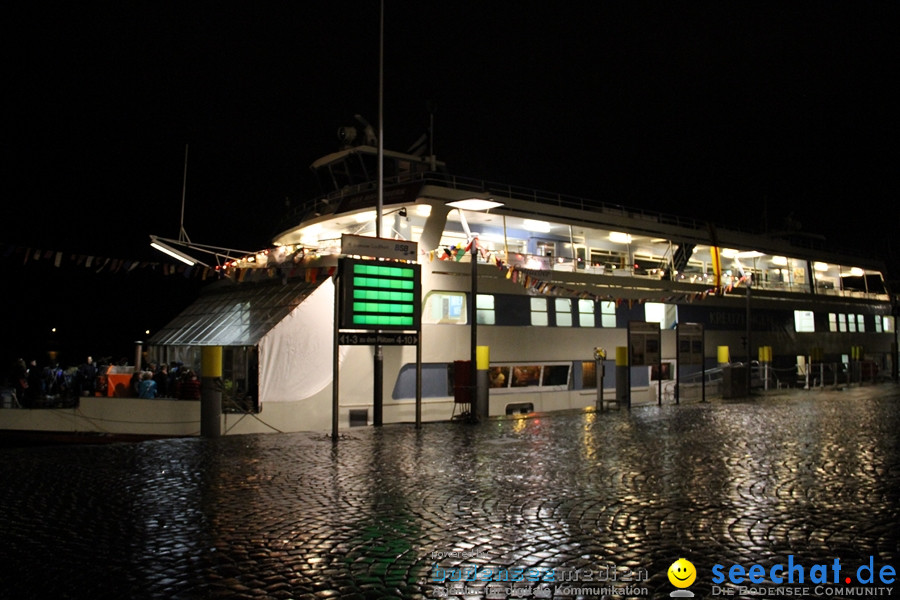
(161,377)
(20,380)
(147,386)
(35,379)
(87,377)
(189,386)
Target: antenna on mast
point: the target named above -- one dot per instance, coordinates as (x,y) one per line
(182,234)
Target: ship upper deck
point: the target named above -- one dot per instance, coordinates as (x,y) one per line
(542,230)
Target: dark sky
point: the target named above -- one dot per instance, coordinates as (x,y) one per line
(743,113)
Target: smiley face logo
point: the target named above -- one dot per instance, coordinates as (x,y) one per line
(682,573)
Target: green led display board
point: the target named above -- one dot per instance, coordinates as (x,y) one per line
(380,295)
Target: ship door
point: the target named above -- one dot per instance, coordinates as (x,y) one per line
(545,248)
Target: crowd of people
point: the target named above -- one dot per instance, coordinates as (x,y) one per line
(31,385)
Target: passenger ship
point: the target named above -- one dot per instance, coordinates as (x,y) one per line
(559,279)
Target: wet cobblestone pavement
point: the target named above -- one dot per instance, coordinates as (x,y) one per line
(809,477)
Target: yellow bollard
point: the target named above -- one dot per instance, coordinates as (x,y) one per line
(723,354)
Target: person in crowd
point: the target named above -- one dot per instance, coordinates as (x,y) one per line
(87,377)
(54,380)
(135,383)
(147,386)
(189,386)
(175,373)
(161,377)
(35,379)
(19,379)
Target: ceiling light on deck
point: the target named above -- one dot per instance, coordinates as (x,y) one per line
(820,266)
(475,204)
(536,226)
(619,237)
(780,261)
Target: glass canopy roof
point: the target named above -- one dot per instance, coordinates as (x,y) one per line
(234,314)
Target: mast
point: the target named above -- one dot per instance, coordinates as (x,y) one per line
(182,234)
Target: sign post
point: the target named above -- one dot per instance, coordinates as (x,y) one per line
(690,350)
(644,341)
(377,303)
(599,357)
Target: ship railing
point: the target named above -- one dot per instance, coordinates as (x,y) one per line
(834,374)
(536,262)
(328,203)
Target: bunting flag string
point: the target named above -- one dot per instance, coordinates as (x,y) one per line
(283,263)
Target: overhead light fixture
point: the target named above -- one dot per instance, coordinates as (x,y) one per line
(820,266)
(781,261)
(475,204)
(176,254)
(536,226)
(423,210)
(619,238)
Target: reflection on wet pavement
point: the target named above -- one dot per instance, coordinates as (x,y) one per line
(815,475)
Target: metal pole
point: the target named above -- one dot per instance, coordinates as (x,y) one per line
(378,375)
(600,383)
(473,316)
(677,362)
(749,345)
(703,365)
(335,368)
(419,381)
(182,234)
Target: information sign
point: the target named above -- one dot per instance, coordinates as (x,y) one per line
(350,338)
(378,295)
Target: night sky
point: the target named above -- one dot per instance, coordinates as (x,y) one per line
(744,113)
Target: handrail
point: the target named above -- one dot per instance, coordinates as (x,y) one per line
(328,203)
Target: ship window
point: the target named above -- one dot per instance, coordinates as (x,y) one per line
(539,312)
(586,313)
(436,381)
(842,323)
(445,307)
(804,321)
(484,309)
(588,374)
(607,313)
(664,314)
(512,378)
(832,322)
(877,323)
(851,323)
(889,324)
(499,377)
(555,375)
(860,323)
(563,312)
(526,375)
